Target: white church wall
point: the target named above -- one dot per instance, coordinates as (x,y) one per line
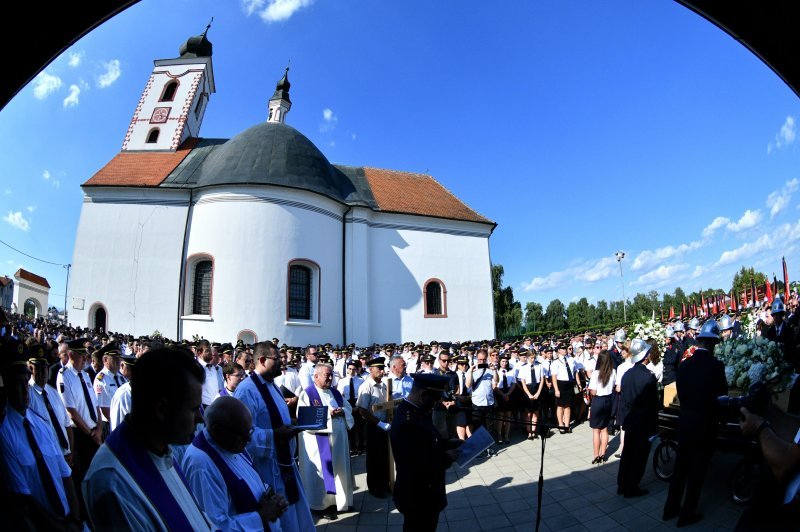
(406,251)
(357,270)
(127,259)
(252,233)
(25,290)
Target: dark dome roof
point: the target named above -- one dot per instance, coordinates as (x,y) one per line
(271,153)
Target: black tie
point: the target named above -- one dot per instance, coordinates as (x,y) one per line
(569,371)
(89,403)
(44,471)
(116,380)
(352,390)
(505,380)
(62,441)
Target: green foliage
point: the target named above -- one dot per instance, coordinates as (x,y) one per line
(743,279)
(507,311)
(534,316)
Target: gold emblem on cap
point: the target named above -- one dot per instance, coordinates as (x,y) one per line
(19,349)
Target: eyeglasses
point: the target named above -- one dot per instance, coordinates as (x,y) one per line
(444,359)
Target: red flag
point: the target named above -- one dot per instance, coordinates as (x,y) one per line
(702,300)
(768,287)
(754,290)
(671,312)
(734,306)
(714,306)
(785,281)
(694,312)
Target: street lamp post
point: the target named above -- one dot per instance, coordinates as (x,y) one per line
(621,255)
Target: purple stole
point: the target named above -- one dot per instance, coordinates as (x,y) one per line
(323,443)
(223,391)
(238,490)
(285,458)
(131,453)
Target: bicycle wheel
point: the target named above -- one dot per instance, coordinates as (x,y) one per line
(743,480)
(664,459)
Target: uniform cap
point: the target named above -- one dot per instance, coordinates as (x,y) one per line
(378,362)
(77,345)
(427,358)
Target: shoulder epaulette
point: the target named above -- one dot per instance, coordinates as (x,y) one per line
(100,376)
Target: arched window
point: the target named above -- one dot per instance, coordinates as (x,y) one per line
(169,91)
(201,293)
(434,295)
(302,291)
(152,137)
(98,317)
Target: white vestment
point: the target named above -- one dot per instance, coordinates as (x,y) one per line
(311,464)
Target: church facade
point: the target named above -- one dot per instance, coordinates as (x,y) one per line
(259,236)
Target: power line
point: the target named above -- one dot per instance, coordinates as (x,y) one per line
(31,256)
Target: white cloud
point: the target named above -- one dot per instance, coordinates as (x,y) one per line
(784,137)
(649,258)
(31,208)
(72,100)
(107,78)
(353,136)
(274,10)
(329,121)
(719,221)
(698,271)
(745,251)
(16,219)
(46,174)
(748,220)
(75,58)
(7,191)
(587,271)
(56,183)
(45,84)
(662,274)
(779,199)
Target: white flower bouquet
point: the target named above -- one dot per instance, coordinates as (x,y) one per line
(652,329)
(750,360)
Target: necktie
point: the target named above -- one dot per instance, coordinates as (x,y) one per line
(116,380)
(44,472)
(569,371)
(505,380)
(62,441)
(89,403)
(352,390)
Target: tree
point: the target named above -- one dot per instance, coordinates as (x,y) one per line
(534,316)
(507,312)
(555,317)
(742,280)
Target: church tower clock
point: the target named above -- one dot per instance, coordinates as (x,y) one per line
(174,100)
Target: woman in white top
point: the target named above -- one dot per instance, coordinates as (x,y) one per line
(654,362)
(601,386)
(504,397)
(532,377)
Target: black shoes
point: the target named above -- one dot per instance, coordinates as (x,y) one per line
(686,520)
(638,493)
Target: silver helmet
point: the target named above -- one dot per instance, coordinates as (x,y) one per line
(710,329)
(778,307)
(669,332)
(620,336)
(725,322)
(639,350)
(679,326)
(694,324)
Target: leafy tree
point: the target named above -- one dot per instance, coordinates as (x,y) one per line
(507,311)
(742,280)
(555,317)
(534,316)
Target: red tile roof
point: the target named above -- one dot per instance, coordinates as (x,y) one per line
(141,169)
(410,193)
(32,277)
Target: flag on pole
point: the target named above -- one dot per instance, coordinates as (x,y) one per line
(694,304)
(734,306)
(785,281)
(754,290)
(671,312)
(683,309)
(768,288)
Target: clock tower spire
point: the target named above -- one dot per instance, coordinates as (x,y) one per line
(174,100)
(280,103)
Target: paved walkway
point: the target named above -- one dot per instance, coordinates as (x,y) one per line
(501,493)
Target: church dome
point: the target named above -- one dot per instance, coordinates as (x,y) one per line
(273,153)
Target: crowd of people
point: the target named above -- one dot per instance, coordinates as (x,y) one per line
(108,431)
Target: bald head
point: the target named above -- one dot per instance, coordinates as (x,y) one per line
(229,423)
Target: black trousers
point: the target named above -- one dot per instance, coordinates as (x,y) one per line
(82,454)
(356,435)
(690,471)
(420,521)
(377,459)
(480,418)
(633,462)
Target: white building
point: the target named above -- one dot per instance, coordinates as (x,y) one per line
(31,293)
(259,236)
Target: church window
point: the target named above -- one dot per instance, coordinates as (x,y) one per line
(302,304)
(434,295)
(199,285)
(152,137)
(169,91)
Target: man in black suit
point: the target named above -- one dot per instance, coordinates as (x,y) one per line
(639,409)
(421,455)
(700,380)
(784,335)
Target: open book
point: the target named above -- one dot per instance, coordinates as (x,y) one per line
(473,446)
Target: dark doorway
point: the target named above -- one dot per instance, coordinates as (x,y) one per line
(100,319)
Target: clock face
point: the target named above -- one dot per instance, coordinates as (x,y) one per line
(160,115)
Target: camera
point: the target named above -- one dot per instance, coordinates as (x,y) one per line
(756,400)
(483,366)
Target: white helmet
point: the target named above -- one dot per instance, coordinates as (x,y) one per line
(669,332)
(639,350)
(710,330)
(694,324)
(679,326)
(620,336)
(725,322)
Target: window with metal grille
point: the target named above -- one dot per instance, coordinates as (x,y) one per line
(201,297)
(433,299)
(299,293)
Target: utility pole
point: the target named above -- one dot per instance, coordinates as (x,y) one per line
(621,255)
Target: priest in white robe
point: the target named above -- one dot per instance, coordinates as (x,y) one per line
(325,454)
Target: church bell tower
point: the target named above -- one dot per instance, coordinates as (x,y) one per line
(280,103)
(174,100)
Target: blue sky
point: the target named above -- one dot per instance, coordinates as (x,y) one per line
(581,128)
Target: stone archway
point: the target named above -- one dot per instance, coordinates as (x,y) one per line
(100,319)
(31,309)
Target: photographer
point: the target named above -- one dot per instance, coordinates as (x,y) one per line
(777,502)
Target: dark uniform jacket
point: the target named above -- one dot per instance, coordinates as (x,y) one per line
(672,356)
(421,461)
(639,401)
(701,379)
(787,339)
(616,357)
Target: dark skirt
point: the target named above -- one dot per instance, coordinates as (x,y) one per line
(532,405)
(567,389)
(463,417)
(601,412)
(503,406)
